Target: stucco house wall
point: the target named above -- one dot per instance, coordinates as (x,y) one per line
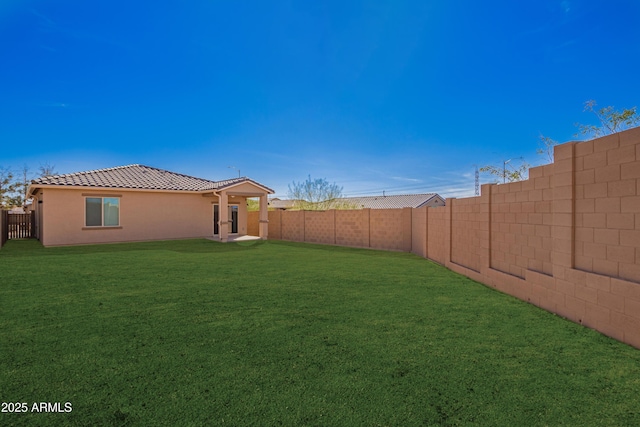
(143,216)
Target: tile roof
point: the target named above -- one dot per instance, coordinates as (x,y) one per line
(139,177)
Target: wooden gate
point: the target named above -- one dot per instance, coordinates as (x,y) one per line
(4,227)
(18,226)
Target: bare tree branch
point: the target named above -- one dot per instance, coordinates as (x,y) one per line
(314,194)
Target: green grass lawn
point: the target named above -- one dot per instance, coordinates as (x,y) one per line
(197,333)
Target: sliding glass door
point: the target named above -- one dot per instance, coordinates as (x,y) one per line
(233,219)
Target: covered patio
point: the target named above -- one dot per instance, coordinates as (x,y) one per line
(237,193)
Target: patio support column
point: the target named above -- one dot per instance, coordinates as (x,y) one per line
(224,216)
(264,217)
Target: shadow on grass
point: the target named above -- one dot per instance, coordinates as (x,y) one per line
(33,247)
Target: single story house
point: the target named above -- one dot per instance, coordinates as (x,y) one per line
(138,203)
(373,202)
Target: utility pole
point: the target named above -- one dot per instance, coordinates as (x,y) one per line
(477,181)
(504,170)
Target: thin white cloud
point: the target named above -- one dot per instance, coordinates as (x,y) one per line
(53,105)
(400,178)
(44,18)
(566,6)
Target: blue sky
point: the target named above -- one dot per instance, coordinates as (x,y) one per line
(397,96)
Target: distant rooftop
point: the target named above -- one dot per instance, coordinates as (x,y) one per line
(391,202)
(281,204)
(374,202)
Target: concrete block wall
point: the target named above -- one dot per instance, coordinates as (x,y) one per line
(521,224)
(320,227)
(275,224)
(390,229)
(567,239)
(438,233)
(467,230)
(607,206)
(292,225)
(419,234)
(352,228)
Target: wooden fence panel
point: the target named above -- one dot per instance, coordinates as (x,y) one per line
(19,226)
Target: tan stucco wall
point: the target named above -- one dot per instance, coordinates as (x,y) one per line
(143,216)
(246,189)
(37,208)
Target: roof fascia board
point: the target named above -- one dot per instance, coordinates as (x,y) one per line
(433,196)
(35,187)
(246,181)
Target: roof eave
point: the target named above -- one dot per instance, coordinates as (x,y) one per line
(244,181)
(33,188)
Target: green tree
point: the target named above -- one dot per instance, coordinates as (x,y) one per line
(611,120)
(315,194)
(253,205)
